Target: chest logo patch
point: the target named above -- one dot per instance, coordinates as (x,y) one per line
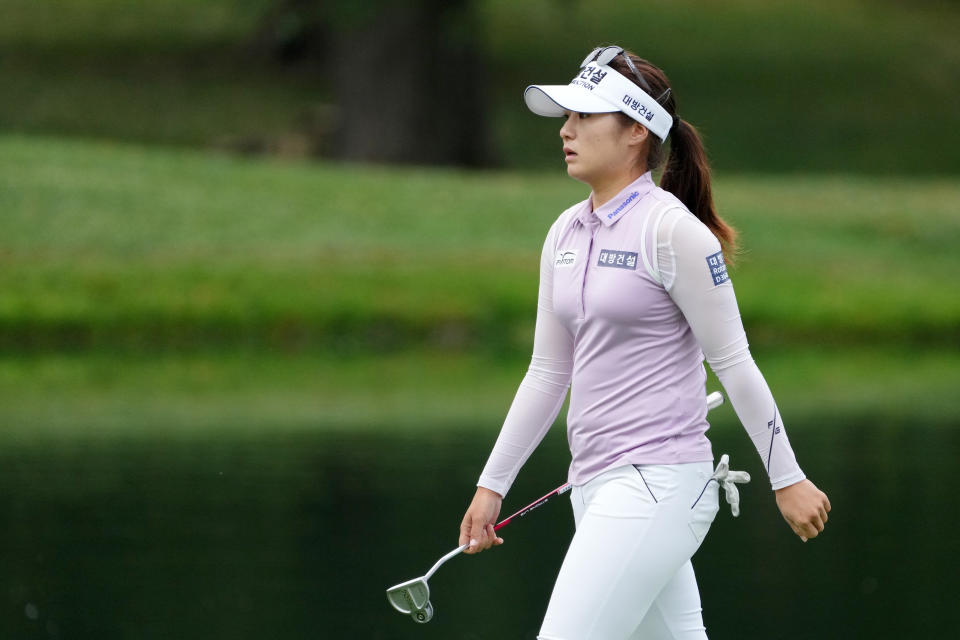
(617,259)
(565,258)
(718,268)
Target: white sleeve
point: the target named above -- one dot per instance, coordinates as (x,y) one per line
(693,272)
(542,391)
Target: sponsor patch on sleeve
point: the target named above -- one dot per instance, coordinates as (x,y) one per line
(718,268)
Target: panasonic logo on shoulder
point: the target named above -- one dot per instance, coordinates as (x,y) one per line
(565,258)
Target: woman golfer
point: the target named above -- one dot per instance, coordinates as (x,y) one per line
(634,293)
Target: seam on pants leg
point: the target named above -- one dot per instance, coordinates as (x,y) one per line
(681,634)
(637,467)
(702,491)
(673,626)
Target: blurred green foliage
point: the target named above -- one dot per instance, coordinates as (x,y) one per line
(845,85)
(842,85)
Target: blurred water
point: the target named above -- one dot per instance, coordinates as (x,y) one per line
(299,536)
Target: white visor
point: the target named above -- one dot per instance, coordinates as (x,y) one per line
(600,89)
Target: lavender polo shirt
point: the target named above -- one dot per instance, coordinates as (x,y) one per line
(637,392)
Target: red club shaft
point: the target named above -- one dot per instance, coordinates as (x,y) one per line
(533,505)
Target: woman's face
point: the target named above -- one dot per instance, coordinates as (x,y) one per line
(599,146)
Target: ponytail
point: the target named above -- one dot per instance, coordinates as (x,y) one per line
(687,176)
(687,172)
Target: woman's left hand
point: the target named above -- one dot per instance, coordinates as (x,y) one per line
(804,507)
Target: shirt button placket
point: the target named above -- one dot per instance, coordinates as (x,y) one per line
(593,226)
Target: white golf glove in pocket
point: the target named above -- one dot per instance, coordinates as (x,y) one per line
(728,480)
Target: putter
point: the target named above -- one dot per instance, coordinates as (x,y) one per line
(413,596)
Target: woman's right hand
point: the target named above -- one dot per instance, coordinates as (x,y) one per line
(804,507)
(477,526)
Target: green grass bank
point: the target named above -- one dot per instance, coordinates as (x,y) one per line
(122,247)
(148,290)
(64,399)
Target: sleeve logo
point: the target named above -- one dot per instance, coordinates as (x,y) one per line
(565,258)
(718,268)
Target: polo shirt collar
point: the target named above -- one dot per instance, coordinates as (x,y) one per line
(619,205)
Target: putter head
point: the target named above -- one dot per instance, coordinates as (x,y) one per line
(423,616)
(410,597)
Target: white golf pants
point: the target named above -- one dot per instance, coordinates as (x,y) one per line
(627,574)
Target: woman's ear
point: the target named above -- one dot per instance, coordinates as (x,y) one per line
(638,133)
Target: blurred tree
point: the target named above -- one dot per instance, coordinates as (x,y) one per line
(406,78)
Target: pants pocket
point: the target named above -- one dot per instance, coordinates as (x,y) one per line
(704,509)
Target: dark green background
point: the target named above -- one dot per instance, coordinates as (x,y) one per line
(298,537)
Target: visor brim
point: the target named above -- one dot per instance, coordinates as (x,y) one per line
(553,100)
